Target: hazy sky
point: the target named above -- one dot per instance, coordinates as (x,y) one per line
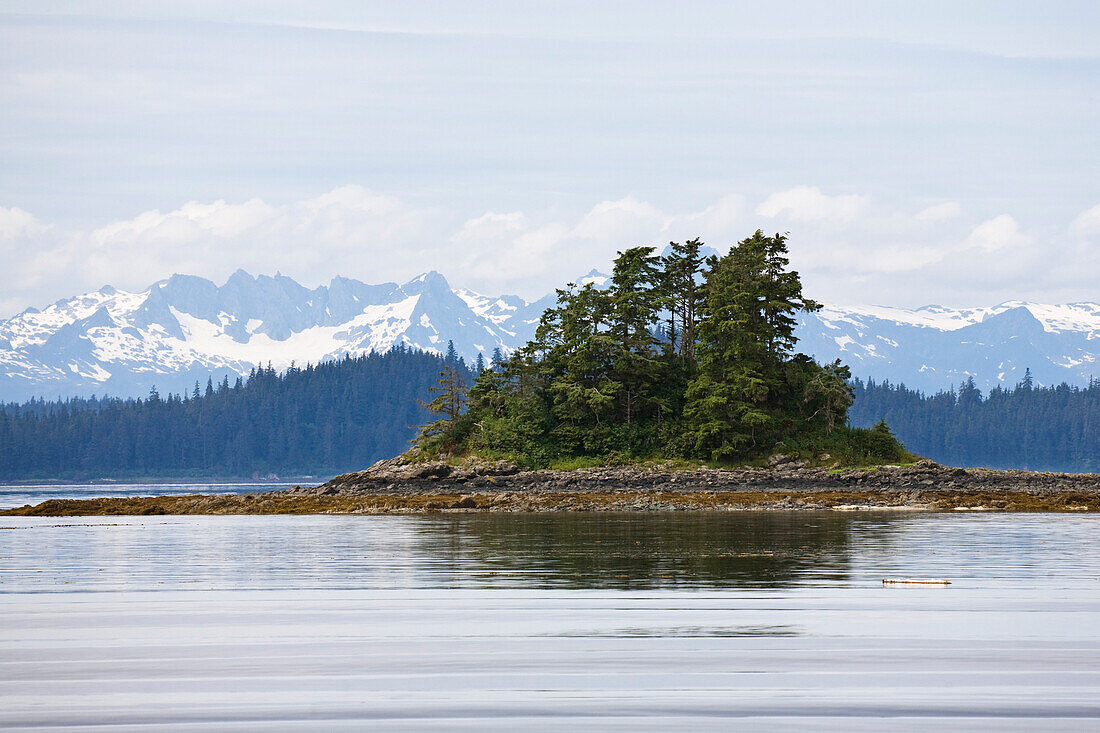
(916,152)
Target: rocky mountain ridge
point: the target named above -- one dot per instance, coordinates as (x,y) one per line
(186,329)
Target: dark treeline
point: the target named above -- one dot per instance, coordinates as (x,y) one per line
(1037,428)
(326,418)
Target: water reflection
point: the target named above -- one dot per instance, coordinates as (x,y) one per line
(578,551)
(642,551)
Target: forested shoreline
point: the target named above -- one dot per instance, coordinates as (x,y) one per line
(1054,428)
(321,419)
(1042,428)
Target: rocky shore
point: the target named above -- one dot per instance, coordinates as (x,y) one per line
(395,486)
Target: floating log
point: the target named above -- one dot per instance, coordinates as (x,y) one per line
(915,581)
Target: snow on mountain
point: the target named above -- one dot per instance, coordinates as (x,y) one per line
(933,347)
(595,277)
(186,329)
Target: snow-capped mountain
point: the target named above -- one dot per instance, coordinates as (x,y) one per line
(933,347)
(187,329)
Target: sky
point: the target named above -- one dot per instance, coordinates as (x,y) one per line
(916,153)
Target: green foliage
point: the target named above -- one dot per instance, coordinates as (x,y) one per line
(319,420)
(680,282)
(737,404)
(1041,428)
(603,381)
(449,403)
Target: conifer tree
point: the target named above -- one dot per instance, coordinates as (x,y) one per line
(635,303)
(829,390)
(449,402)
(746,331)
(682,267)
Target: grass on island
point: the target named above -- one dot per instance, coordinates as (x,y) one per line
(844,449)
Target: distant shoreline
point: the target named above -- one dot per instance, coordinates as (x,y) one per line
(392,488)
(152,481)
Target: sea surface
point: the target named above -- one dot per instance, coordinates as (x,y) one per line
(672,621)
(21,494)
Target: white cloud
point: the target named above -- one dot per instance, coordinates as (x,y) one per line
(881,255)
(16,223)
(1087,223)
(997,234)
(193,219)
(809,204)
(348,230)
(490,225)
(940,212)
(720,218)
(627,218)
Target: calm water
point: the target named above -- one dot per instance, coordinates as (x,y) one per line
(579,622)
(16,495)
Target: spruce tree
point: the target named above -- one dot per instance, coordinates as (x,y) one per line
(635,303)
(682,267)
(746,331)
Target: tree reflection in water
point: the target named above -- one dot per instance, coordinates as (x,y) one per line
(641,550)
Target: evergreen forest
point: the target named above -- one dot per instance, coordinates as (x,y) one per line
(1054,428)
(323,419)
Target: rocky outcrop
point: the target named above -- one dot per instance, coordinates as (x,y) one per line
(404,487)
(403,469)
(397,476)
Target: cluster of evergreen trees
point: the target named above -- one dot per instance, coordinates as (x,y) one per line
(324,419)
(1038,428)
(678,357)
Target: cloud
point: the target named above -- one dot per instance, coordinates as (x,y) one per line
(940,212)
(490,226)
(1087,223)
(193,219)
(16,224)
(720,218)
(535,252)
(997,234)
(881,255)
(627,218)
(348,230)
(809,204)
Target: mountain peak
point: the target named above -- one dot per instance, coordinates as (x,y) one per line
(429,276)
(430,281)
(594,277)
(240,275)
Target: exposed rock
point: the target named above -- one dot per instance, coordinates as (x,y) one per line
(396,486)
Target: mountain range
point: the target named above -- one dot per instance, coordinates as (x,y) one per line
(187,329)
